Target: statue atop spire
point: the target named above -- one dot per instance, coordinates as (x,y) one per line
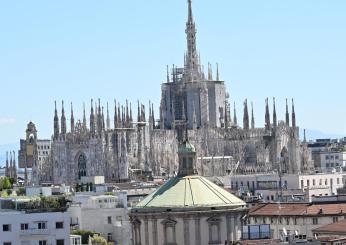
(192,66)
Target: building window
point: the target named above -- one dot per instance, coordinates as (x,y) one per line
(320,181)
(295,221)
(24,227)
(280,220)
(42,225)
(109,237)
(302,184)
(109,219)
(6,227)
(60,242)
(271,220)
(337,181)
(263,220)
(335,219)
(255,220)
(287,220)
(59,225)
(308,183)
(315,221)
(214,230)
(313,182)
(42,242)
(169,233)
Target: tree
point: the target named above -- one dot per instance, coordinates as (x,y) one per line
(7,183)
(85,235)
(98,240)
(4,194)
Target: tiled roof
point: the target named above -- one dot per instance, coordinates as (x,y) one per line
(335,228)
(273,209)
(335,208)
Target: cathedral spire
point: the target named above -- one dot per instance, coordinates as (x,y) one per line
(167,74)
(293,115)
(63,119)
(115,115)
(153,114)
(72,119)
(92,117)
(11,165)
(246,116)
(217,72)
(287,115)
(56,123)
(131,118)
(127,114)
(304,136)
(192,64)
(102,119)
(138,112)
(14,174)
(252,117)
(108,120)
(84,117)
(267,117)
(275,123)
(7,165)
(235,116)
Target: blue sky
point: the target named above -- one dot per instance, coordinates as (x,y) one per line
(77,50)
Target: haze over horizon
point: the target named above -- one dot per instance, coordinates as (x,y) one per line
(75,51)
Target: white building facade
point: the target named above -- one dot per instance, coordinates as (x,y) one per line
(104,214)
(46,228)
(270,186)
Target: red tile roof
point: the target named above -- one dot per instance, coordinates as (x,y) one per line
(336,208)
(338,228)
(296,209)
(273,209)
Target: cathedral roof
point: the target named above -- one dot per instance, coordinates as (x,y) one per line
(189,192)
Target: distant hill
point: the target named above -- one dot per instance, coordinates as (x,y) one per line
(8,147)
(313,134)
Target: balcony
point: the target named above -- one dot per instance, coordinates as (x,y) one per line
(34,232)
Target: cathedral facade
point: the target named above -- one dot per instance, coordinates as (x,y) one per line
(194,105)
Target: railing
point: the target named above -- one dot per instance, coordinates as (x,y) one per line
(34,231)
(256,235)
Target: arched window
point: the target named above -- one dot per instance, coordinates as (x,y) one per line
(81,166)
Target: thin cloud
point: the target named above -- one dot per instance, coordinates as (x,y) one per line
(7,120)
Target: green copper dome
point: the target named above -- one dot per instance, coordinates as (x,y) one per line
(189,192)
(186,147)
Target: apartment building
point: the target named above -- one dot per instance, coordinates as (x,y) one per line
(24,225)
